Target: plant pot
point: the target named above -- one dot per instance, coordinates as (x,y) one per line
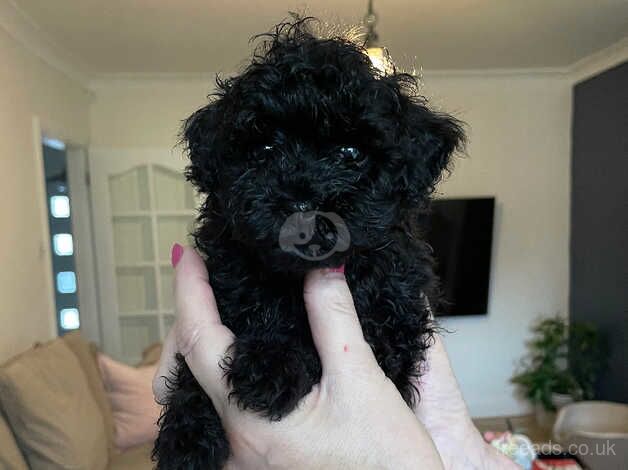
(561,399)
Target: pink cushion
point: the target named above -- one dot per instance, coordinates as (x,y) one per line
(135,412)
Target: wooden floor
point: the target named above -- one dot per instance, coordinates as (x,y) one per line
(516,424)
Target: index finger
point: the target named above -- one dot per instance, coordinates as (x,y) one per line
(334,322)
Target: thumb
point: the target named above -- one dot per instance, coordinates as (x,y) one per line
(334,322)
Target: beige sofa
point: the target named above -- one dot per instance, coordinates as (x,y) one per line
(55,414)
(597,431)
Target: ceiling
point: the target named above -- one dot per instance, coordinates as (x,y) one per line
(198,36)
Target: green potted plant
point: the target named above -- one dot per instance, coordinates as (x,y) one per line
(588,356)
(562,365)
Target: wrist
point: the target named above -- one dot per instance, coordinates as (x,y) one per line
(494,460)
(469,451)
(409,446)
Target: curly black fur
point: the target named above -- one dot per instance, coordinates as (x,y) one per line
(309,125)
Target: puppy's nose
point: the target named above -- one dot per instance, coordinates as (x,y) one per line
(302,206)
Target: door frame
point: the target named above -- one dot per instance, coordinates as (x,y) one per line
(80,199)
(45,253)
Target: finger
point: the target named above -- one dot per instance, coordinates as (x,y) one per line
(334,322)
(166,368)
(438,388)
(200,335)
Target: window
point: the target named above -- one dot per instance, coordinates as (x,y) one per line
(69,318)
(60,207)
(63,245)
(66,282)
(61,238)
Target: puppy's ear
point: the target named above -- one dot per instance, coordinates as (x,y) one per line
(201,137)
(431,140)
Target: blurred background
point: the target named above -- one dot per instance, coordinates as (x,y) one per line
(92,95)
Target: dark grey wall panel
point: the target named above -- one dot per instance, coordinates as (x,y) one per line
(599,217)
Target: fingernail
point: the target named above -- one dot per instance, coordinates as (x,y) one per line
(176,254)
(340,269)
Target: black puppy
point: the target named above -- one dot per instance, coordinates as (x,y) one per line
(309,158)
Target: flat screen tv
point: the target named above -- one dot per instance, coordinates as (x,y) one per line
(461,233)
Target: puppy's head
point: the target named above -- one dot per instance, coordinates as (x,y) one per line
(311,154)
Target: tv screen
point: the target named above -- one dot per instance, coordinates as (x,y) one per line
(461,233)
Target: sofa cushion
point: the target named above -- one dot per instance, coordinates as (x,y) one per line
(86,354)
(54,417)
(130,391)
(136,458)
(10,455)
(151,355)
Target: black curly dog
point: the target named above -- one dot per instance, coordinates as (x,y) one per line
(310,128)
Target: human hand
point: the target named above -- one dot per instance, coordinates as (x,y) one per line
(354,418)
(444,414)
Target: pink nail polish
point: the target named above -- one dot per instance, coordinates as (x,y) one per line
(339,269)
(176,254)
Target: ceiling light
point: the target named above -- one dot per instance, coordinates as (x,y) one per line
(379,55)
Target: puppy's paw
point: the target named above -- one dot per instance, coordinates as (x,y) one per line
(268,376)
(191,436)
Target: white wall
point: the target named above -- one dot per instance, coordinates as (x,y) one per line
(519,152)
(143,113)
(28,88)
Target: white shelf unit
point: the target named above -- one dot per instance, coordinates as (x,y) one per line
(151,207)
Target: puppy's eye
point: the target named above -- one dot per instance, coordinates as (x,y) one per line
(351,154)
(264,152)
